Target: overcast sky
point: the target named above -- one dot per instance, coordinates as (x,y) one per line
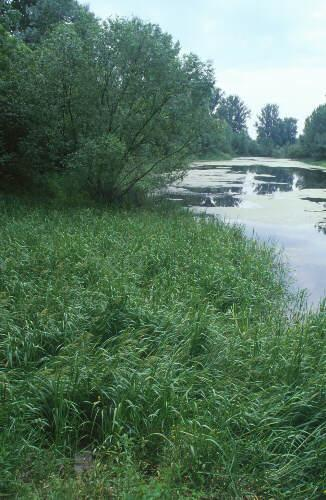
(263,50)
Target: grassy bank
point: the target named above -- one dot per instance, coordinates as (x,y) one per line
(160,344)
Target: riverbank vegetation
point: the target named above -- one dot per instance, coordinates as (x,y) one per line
(275,135)
(162,356)
(76,91)
(105,106)
(279,137)
(164,347)
(111,104)
(313,140)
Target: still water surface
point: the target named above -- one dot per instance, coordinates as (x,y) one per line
(282,201)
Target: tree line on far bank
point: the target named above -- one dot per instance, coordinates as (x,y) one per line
(279,137)
(276,136)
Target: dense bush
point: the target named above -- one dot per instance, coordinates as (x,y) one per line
(122,86)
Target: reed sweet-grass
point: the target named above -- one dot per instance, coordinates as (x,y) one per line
(162,344)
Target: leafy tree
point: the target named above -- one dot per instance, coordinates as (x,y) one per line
(115,103)
(288,131)
(241,143)
(268,124)
(31,20)
(234,111)
(273,131)
(13,55)
(8,45)
(10,16)
(217,95)
(16,14)
(118,99)
(215,138)
(314,134)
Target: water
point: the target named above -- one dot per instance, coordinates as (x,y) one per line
(282,201)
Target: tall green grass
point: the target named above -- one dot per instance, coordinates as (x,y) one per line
(162,344)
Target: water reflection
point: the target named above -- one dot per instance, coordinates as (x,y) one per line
(228,184)
(296,183)
(321,226)
(257,181)
(279,199)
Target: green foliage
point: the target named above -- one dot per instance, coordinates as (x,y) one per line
(32,20)
(274,132)
(231,115)
(10,16)
(97,165)
(163,344)
(312,143)
(124,80)
(288,131)
(234,111)
(226,131)
(85,85)
(314,135)
(13,123)
(268,124)
(7,47)
(215,138)
(53,87)
(243,145)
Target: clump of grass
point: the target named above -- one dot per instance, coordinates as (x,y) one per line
(164,346)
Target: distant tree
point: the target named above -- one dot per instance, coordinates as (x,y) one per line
(234,111)
(268,124)
(273,131)
(215,138)
(241,143)
(314,134)
(217,95)
(288,131)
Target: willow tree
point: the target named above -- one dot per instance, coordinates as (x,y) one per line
(149,105)
(114,102)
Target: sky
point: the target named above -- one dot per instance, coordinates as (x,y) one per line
(266,51)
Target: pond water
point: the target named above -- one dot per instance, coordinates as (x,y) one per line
(281,201)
